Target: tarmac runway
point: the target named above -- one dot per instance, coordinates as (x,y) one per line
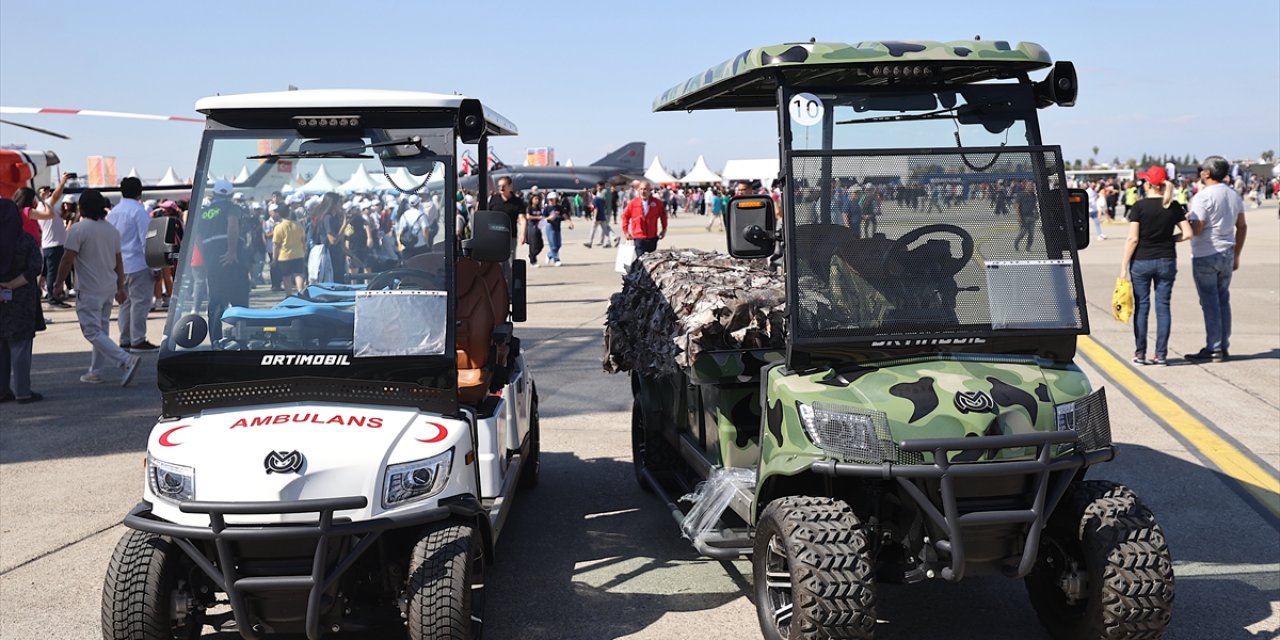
(587,555)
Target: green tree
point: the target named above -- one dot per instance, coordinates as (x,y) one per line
(1268,156)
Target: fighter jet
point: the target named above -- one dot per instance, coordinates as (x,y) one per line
(621,165)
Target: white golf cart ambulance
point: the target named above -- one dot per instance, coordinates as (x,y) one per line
(341,457)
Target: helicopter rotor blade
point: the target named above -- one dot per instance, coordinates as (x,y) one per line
(36,129)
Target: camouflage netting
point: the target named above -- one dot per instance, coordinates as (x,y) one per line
(677,303)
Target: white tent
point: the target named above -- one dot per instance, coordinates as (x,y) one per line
(322,182)
(133,173)
(243,176)
(701,174)
(359,181)
(171,177)
(765,170)
(658,174)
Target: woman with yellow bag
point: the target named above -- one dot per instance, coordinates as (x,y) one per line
(1156,223)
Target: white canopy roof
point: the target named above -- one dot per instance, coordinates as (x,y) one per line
(322,182)
(701,174)
(171,177)
(658,174)
(359,181)
(765,170)
(133,173)
(243,176)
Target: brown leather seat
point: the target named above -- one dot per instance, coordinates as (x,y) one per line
(482,302)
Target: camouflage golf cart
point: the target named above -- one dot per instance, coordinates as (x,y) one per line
(892,396)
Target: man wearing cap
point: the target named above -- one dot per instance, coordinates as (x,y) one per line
(225,254)
(411,229)
(131,219)
(1218,231)
(644,221)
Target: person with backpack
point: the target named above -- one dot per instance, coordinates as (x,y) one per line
(411,230)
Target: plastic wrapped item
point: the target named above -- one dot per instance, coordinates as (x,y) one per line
(712,497)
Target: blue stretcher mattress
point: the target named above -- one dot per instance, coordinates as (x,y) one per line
(287,315)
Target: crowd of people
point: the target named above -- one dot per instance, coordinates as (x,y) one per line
(1110,199)
(289,240)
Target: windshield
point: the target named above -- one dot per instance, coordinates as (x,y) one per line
(973,116)
(309,246)
(886,240)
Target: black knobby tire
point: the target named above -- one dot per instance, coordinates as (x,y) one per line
(446,582)
(813,573)
(145,571)
(1102,534)
(649,451)
(533,464)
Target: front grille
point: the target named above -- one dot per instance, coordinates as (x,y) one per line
(1088,417)
(192,400)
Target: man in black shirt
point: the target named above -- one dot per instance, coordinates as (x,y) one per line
(509,202)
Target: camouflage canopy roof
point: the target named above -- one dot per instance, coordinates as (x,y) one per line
(750,79)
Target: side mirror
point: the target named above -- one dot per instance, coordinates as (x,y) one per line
(162,242)
(1078,206)
(749,226)
(490,237)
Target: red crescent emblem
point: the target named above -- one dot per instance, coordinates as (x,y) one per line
(441,433)
(164,440)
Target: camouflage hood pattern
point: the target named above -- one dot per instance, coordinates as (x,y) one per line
(937,396)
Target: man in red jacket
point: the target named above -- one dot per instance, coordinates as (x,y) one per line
(641,218)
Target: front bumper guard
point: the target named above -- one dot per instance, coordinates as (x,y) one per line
(950,521)
(323,529)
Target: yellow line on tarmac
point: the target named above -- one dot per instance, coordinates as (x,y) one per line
(1253,478)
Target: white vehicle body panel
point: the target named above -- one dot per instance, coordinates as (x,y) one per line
(346,449)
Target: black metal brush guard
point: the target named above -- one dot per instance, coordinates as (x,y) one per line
(322,577)
(1048,488)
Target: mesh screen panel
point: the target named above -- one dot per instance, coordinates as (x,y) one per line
(929,242)
(1089,418)
(302,390)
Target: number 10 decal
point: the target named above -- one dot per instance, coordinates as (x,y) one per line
(806,109)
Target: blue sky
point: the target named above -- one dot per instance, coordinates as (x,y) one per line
(1173,77)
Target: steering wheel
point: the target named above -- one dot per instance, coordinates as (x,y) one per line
(402,278)
(948,268)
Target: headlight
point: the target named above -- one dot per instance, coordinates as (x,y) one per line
(172,482)
(848,432)
(416,480)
